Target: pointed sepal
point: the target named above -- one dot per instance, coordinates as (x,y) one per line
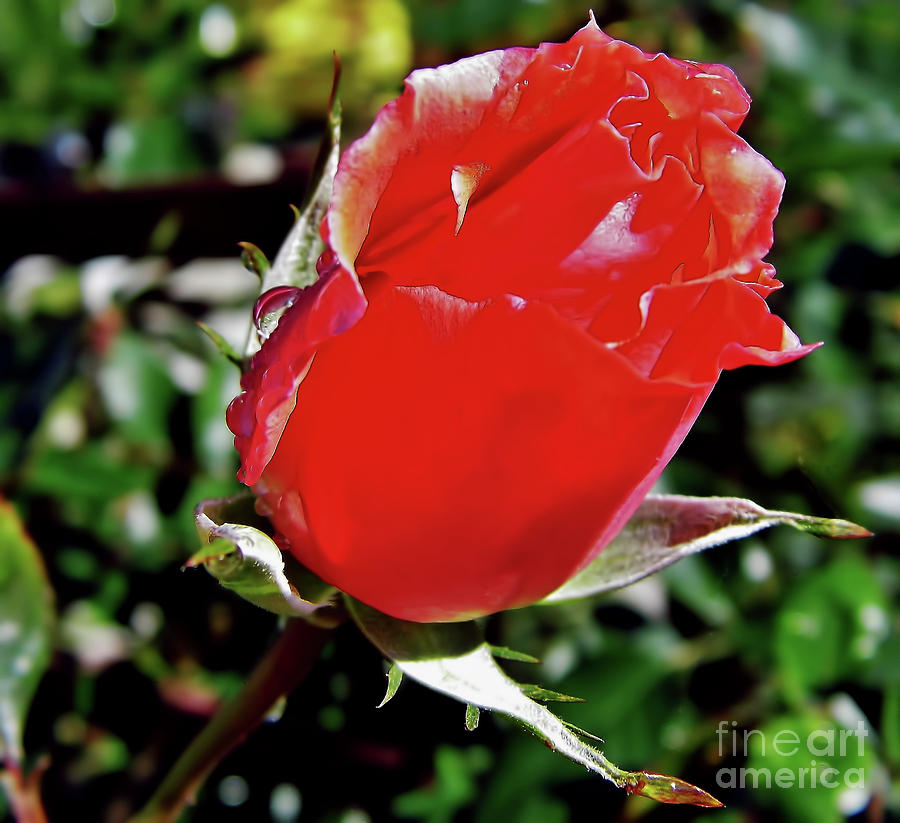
(295,263)
(394,678)
(254,260)
(504,653)
(667,527)
(224,347)
(246,561)
(666,789)
(452,658)
(539,693)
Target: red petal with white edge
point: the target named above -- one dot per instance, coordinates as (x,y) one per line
(258,415)
(560,249)
(449,459)
(581,148)
(694,330)
(744,190)
(444,103)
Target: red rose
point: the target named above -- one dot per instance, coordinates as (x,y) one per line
(540,260)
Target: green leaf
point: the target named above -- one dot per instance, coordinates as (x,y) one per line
(90,475)
(666,528)
(801,764)
(138,392)
(666,789)
(830,626)
(452,658)
(454,786)
(102,753)
(247,561)
(698,587)
(394,677)
(890,723)
(26,629)
(213,441)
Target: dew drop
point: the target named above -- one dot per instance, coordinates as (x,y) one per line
(327,261)
(240,417)
(271,306)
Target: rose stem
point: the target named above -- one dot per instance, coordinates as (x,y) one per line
(283,668)
(24,793)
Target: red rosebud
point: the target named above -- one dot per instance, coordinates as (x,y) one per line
(540,260)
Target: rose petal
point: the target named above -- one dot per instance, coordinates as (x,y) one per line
(695,329)
(258,415)
(583,149)
(560,249)
(447,101)
(454,459)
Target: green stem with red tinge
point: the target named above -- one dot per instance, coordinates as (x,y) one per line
(24,793)
(282,669)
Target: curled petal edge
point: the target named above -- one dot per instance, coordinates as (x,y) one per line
(258,415)
(767,339)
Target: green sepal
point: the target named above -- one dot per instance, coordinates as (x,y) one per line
(505,653)
(254,260)
(473,716)
(245,560)
(222,345)
(536,692)
(666,528)
(582,733)
(295,263)
(394,678)
(452,658)
(666,789)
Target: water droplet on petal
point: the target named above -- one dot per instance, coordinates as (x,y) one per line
(271,306)
(327,261)
(239,417)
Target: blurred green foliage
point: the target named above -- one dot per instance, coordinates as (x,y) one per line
(112,407)
(148,91)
